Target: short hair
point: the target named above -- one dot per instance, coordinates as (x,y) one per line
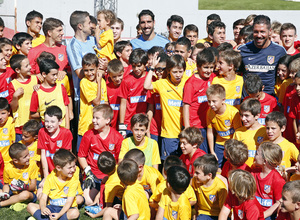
(251,105)
(297,74)
(253,84)
(208,164)
(90,59)
(16,60)
(54,111)
(262,19)
(175,18)
(288,26)
(284,60)
(178,178)
(46,65)
(106,162)
(115,66)
(107,112)
(50,24)
(62,157)
(4,104)
(276,26)
(146,12)
(19,38)
(140,118)
(236,152)
(225,46)
(199,46)
(249,19)
(175,60)
(170,161)
(16,149)
(93,20)
(216,89)
(163,58)
(277,117)
(120,46)
(2,22)
(45,55)
(204,57)
(294,188)
(242,184)
(232,57)
(32,127)
(120,21)
(192,135)
(246,31)
(138,56)
(5,41)
(155,49)
(32,15)
(108,16)
(272,153)
(128,171)
(238,22)
(249,38)
(136,155)
(294,65)
(214,17)
(213,25)
(190,27)
(185,42)
(214,51)
(78,17)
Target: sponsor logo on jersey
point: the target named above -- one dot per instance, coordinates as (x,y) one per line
(157,106)
(175,103)
(137,99)
(265,202)
(115,107)
(251,153)
(4,143)
(48,154)
(266,108)
(271,59)
(96,156)
(4,94)
(202,99)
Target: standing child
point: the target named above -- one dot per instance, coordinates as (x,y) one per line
(6,75)
(123,49)
(22,42)
(6,49)
(295,105)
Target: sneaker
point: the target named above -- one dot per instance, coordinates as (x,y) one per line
(18,206)
(31,218)
(93,209)
(4,196)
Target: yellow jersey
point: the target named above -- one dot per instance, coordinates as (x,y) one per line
(113,188)
(7,138)
(289,152)
(39,40)
(150,179)
(190,69)
(107,45)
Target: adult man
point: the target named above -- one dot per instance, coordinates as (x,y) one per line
(174,24)
(261,55)
(288,36)
(149,38)
(216,32)
(34,22)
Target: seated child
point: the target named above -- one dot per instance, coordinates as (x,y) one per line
(19,176)
(190,140)
(22,42)
(139,124)
(58,200)
(174,204)
(236,154)
(123,50)
(210,190)
(241,197)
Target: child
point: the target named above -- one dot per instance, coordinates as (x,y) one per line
(34,20)
(229,61)
(133,95)
(20,90)
(210,190)
(241,197)
(296,175)
(6,75)
(95,141)
(269,183)
(252,133)
(288,35)
(139,124)
(254,87)
(174,204)
(195,104)
(195,50)
(7,129)
(190,140)
(170,48)
(19,176)
(295,103)
(92,93)
(60,189)
(170,90)
(123,49)
(40,99)
(6,49)
(221,117)
(22,42)
(105,19)
(236,154)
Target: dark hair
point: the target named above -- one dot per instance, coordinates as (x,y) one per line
(190,27)
(146,12)
(163,58)
(208,164)
(175,18)
(115,66)
(214,51)
(155,49)
(136,155)
(185,42)
(46,65)
(262,19)
(138,56)
(232,57)
(192,135)
(2,22)
(175,60)
(50,24)
(62,157)
(33,14)
(32,127)
(78,17)
(238,22)
(178,178)
(90,59)
(5,41)
(19,38)
(205,56)
(214,17)
(93,20)
(284,60)
(128,171)
(16,60)
(4,104)
(253,84)
(120,46)
(53,111)
(213,25)
(106,162)
(170,161)
(288,26)
(45,55)
(225,46)
(140,118)
(251,105)
(277,117)
(246,31)
(16,149)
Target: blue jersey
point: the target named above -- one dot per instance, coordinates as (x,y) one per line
(158,40)
(261,62)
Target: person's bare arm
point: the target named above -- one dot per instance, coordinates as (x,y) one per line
(82,162)
(44,163)
(67,117)
(210,140)
(186,115)
(79,72)
(160,213)
(122,111)
(148,80)
(97,100)
(271,210)
(150,113)
(224,213)
(34,115)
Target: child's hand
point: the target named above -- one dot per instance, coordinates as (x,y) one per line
(42,183)
(190,61)
(298,138)
(19,92)
(99,75)
(155,59)
(36,87)
(215,155)
(61,75)
(206,44)
(103,63)
(54,216)
(45,211)
(40,77)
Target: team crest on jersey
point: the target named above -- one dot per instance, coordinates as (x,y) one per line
(66,189)
(260,139)
(240,214)
(267,188)
(174,214)
(60,57)
(227,123)
(237,88)
(25,175)
(111,147)
(59,143)
(266,108)
(8,80)
(5,131)
(190,169)
(31,153)
(208,84)
(271,59)
(212,198)
(188,72)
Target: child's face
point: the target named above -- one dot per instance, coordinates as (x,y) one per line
(51,77)
(25,47)
(298,165)
(7,52)
(52,123)
(116,78)
(139,132)
(2,62)
(170,50)
(126,53)
(215,102)
(273,130)
(1,31)
(248,119)
(25,67)
(182,50)
(24,158)
(259,160)
(138,69)
(286,201)
(257,96)
(199,175)
(117,30)
(90,72)
(292,74)
(68,170)
(176,74)
(3,117)
(35,25)
(206,70)
(275,38)
(186,147)
(297,85)
(99,122)
(102,22)
(194,54)
(160,69)
(27,137)
(223,67)
(282,71)
(288,37)
(192,36)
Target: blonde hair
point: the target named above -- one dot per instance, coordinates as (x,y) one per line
(236,152)
(272,153)
(108,15)
(216,89)
(295,65)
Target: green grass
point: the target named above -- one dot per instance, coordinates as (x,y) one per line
(248,5)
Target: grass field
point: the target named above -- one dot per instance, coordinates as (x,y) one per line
(248,5)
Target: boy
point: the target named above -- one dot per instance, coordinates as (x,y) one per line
(59,97)
(252,133)
(216,32)
(133,95)
(2,26)
(293,113)
(95,141)
(19,176)
(6,75)
(191,32)
(210,190)
(34,22)
(229,61)
(195,104)
(221,117)
(22,42)
(60,189)
(275,125)
(174,204)
(20,90)
(139,124)
(288,35)
(210,18)
(6,49)
(123,49)
(254,87)
(117,28)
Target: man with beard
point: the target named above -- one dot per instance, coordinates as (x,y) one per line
(174,25)
(149,38)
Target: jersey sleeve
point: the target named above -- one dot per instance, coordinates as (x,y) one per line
(33,170)
(155,155)
(66,83)
(229,201)
(65,95)
(104,38)
(42,140)
(118,145)
(130,205)
(208,118)
(293,110)
(84,145)
(156,87)
(74,56)
(124,148)
(11,91)
(87,90)
(185,210)
(188,93)
(237,121)
(222,194)
(32,60)
(68,140)
(162,202)
(47,185)
(277,187)
(294,153)
(6,175)
(34,104)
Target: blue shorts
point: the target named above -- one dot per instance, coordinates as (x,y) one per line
(204,145)
(219,150)
(79,138)
(34,196)
(53,209)
(170,146)
(206,217)
(18,138)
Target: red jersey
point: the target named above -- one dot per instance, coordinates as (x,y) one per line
(269,188)
(51,145)
(114,102)
(189,162)
(5,78)
(289,133)
(127,71)
(92,145)
(194,94)
(132,89)
(296,52)
(59,52)
(155,126)
(250,209)
(227,167)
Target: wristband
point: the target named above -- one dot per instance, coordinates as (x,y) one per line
(87,169)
